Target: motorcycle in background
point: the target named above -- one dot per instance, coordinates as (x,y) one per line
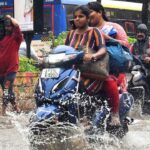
(58,98)
(137,84)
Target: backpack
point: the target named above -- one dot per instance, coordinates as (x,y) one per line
(119,56)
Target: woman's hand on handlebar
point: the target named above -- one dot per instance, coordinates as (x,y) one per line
(89,57)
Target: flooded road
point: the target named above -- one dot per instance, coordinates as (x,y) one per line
(13,132)
(139,135)
(14,135)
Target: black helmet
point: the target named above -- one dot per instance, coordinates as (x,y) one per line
(142,28)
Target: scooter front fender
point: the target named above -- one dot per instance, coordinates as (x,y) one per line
(46,111)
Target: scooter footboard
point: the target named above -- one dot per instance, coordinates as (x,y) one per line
(46,111)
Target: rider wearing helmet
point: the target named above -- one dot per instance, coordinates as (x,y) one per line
(141,48)
(142,43)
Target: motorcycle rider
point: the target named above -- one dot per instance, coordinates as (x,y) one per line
(99,19)
(141,46)
(142,43)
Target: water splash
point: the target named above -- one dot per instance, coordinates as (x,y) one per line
(20,121)
(73,137)
(14,138)
(58,136)
(65,136)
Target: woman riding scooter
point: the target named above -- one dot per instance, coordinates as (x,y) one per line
(78,37)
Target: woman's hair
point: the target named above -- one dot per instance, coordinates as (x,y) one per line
(8,22)
(96,6)
(84,10)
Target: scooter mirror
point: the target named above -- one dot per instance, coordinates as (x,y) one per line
(136,67)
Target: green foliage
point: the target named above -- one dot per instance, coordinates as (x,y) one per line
(60,40)
(26,65)
(131,40)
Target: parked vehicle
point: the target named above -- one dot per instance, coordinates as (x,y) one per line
(58,97)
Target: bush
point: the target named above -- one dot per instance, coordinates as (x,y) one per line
(60,40)
(26,65)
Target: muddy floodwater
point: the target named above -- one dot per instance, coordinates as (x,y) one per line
(14,135)
(15,132)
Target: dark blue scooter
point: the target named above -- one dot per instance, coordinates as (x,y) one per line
(57,93)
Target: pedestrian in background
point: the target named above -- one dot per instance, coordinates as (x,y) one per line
(9,61)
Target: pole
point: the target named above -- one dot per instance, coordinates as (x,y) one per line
(28,38)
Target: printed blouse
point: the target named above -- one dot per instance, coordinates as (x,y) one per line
(92,38)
